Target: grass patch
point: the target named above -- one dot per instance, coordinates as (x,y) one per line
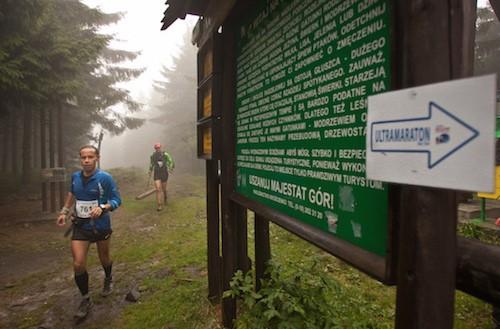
(174,304)
(360,301)
(174,240)
(164,254)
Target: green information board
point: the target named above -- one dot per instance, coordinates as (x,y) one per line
(304,72)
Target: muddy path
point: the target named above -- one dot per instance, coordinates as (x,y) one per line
(36,278)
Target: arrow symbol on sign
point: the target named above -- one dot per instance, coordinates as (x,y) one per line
(439,134)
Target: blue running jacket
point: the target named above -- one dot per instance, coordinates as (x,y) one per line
(100,188)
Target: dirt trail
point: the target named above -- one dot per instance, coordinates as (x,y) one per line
(36,278)
(35,262)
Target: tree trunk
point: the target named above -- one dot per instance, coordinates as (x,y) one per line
(60,150)
(14,165)
(52,158)
(5,143)
(43,157)
(35,138)
(26,154)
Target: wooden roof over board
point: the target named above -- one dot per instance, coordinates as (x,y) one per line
(180,8)
(212,14)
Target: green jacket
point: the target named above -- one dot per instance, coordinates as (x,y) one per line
(166,158)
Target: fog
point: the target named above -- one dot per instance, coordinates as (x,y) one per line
(139,30)
(132,148)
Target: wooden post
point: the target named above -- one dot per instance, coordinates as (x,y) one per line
(262,249)
(229,259)
(213,245)
(229,220)
(426,268)
(478,273)
(427,234)
(244,263)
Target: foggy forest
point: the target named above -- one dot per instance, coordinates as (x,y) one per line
(60,90)
(72,74)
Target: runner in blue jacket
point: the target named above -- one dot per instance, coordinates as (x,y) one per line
(93,195)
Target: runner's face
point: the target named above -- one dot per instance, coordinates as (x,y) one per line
(88,160)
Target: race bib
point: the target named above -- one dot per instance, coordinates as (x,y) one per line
(83,208)
(160,164)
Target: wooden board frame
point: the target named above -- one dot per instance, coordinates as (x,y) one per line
(209,86)
(426,269)
(201,129)
(378,267)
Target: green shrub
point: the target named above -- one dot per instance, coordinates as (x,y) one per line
(476,231)
(285,301)
(469,230)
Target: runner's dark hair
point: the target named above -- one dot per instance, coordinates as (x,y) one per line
(89,147)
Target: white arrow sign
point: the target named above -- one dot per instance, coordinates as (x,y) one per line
(438,135)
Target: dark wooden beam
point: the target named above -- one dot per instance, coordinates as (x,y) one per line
(244,263)
(262,249)
(215,14)
(495,4)
(426,268)
(427,223)
(363,260)
(213,231)
(229,208)
(176,9)
(463,32)
(196,7)
(478,270)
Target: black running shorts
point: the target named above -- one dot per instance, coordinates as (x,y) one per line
(88,235)
(161,174)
